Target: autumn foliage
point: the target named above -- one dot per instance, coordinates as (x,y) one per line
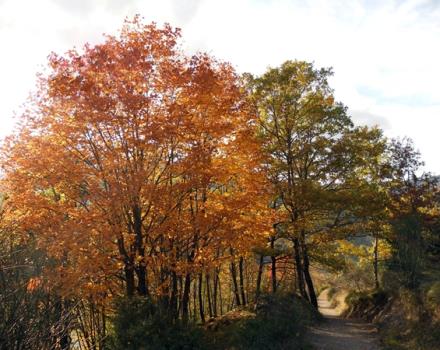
(137,162)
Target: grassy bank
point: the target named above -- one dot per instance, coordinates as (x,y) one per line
(407,319)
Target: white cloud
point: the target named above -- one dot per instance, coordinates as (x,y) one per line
(385,54)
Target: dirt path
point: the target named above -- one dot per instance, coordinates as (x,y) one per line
(337,333)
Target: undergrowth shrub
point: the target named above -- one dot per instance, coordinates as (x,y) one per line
(140,324)
(280,323)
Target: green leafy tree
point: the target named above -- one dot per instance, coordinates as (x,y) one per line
(413,210)
(318,161)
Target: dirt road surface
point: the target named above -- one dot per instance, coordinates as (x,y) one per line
(338,333)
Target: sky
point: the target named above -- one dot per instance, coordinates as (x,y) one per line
(385,54)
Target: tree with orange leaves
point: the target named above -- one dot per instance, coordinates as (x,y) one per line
(135,161)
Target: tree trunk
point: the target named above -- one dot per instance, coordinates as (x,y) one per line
(208,295)
(62,335)
(375,263)
(185,297)
(274,265)
(201,306)
(141,269)
(235,284)
(141,272)
(220,296)
(173,297)
(195,301)
(299,269)
(129,279)
(103,336)
(307,276)
(214,304)
(260,274)
(240,269)
(309,281)
(164,298)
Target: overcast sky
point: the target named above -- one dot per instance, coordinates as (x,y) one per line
(385,54)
